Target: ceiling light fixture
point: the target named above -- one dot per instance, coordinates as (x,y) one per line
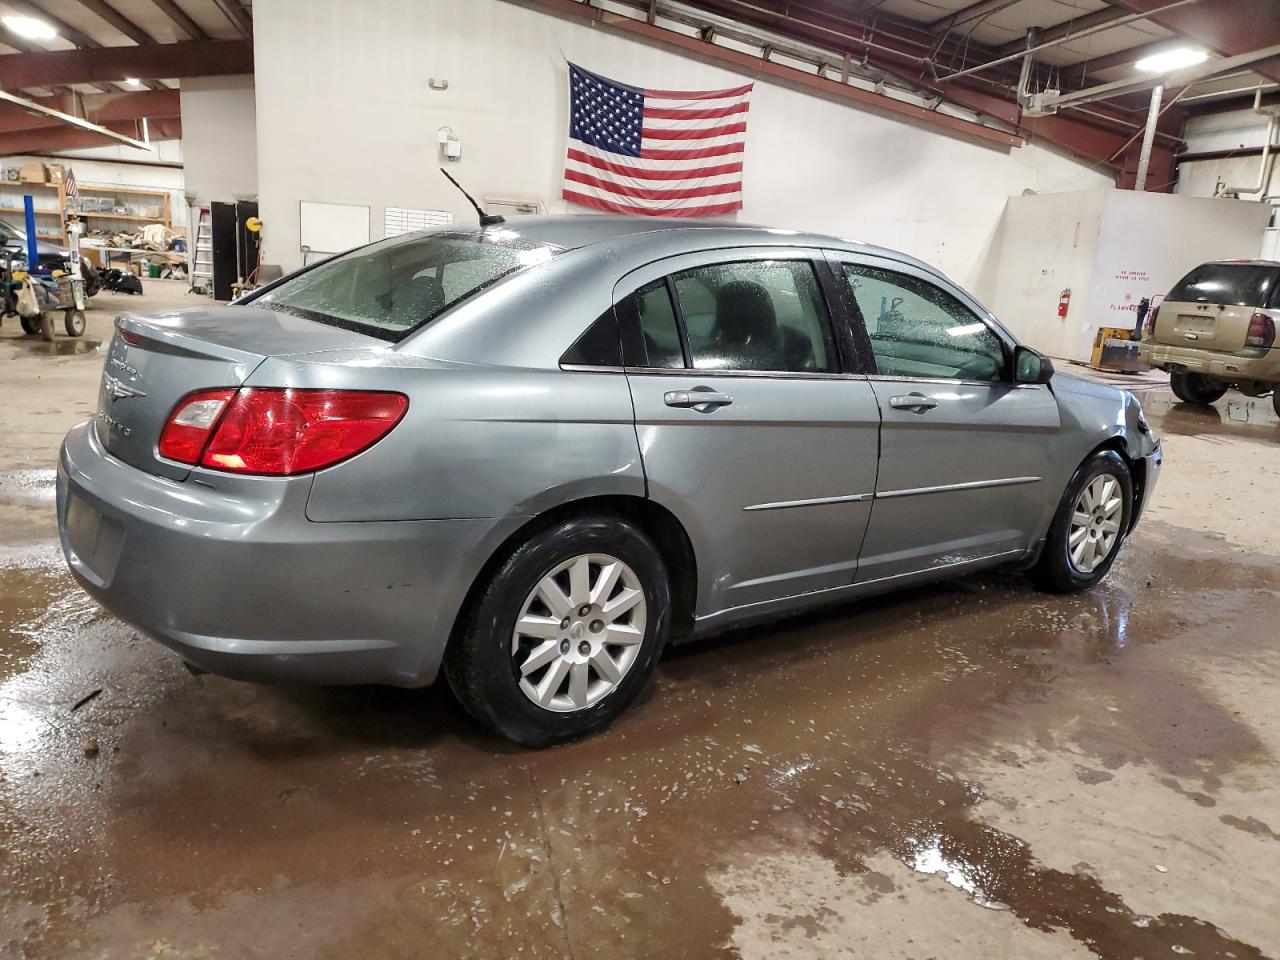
(30,28)
(133,81)
(1170,60)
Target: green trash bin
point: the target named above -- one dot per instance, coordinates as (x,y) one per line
(153,271)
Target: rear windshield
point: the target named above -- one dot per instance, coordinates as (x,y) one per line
(1241,284)
(390,288)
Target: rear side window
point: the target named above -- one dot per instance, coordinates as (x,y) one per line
(390,288)
(1238,284)
(650,312)
(756,315)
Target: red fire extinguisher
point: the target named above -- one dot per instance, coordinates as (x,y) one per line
(1064,301)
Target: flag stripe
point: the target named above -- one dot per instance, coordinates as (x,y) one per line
(693,133)
(600,203)
(648,193)
(681,113)
(698,94)
(720,150)
(683,172)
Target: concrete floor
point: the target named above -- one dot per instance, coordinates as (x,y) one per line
(967,770)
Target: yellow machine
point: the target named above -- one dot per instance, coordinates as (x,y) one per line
(1116,349)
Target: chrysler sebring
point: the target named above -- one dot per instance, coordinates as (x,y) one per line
(531,454)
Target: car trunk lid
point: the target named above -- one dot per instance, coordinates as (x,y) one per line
(152,362)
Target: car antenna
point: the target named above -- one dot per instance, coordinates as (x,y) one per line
(486,219)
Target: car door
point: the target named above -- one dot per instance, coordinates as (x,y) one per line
(964,451)
(754,426)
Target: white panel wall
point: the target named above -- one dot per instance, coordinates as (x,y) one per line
(345,115)
(1110,248)
(219,138)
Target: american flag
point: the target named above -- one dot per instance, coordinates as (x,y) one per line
(69,185)
(654,152)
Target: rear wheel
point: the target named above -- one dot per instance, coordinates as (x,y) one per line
(1275,399)
(30,326)
(73,320)
(1196,388)
(46,325)
(1088,528)
(565,633)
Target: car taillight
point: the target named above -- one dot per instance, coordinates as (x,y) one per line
(278,432)
(1262,331)
(1150,327)
(190,424)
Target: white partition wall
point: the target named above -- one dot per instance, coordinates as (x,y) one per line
(1110,248)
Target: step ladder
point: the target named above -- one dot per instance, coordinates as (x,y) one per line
(201,268)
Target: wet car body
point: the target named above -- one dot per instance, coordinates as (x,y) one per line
(803,490)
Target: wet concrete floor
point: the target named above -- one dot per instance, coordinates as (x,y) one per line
(967,770)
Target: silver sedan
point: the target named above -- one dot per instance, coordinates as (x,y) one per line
(532,454)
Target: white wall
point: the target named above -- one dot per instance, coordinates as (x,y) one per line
(220,138)
(345,115)
(1111,248)
(1237,130)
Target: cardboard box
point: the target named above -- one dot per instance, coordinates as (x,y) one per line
(155,213)
(33,172)
(57,172)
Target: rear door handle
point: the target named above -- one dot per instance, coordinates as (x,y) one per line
(707,399)
(913,401)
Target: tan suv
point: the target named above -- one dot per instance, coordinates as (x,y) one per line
(1217,329)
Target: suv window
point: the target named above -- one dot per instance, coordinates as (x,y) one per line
(919,330)
(390,288)
(756,315)
(1241,284)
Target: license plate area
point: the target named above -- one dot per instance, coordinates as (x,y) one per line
(1196,323)
(94,539)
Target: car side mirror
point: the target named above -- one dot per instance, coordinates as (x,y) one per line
(1030,366)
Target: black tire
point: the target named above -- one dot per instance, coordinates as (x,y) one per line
(1196,388)
(46,325)
(74,322)
(480,666)
(1275,399)
(1055,571)
(30,326)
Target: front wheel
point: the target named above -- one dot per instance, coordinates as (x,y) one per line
(1196,388)
(1275,399)
(46,325)
(1088,528)
(30,326)
(565,633)
(74,322)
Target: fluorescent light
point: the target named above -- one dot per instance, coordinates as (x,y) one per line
(133,81)
(1171,60)
(30,28)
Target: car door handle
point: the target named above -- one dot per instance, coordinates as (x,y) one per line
(913,401)
(696,398)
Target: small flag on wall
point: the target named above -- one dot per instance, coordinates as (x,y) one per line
(635,150)
(69,185)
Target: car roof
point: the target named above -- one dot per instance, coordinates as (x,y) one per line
(1242,263)
(670,236)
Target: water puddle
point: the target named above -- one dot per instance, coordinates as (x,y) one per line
(62,346)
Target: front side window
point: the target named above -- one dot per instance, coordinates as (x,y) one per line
(756,315)
(919,330)
(390,288)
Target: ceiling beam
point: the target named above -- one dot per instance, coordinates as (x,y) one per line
(97,109)
(69,138)
(104,11)
(1228,27)
(193,58)
(238,16)
(179,16)
(983,8)
(65,30)
(78,123)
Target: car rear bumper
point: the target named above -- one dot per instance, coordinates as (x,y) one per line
(237,581)
(1226,366)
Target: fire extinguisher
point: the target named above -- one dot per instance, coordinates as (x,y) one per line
(1064,301)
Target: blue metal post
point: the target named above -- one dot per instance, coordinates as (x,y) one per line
(33,251)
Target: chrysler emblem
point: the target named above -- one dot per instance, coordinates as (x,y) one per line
(119,390)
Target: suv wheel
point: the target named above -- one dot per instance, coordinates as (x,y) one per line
(1088,528)
(565,633)
(1275,399)
(1196,388)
